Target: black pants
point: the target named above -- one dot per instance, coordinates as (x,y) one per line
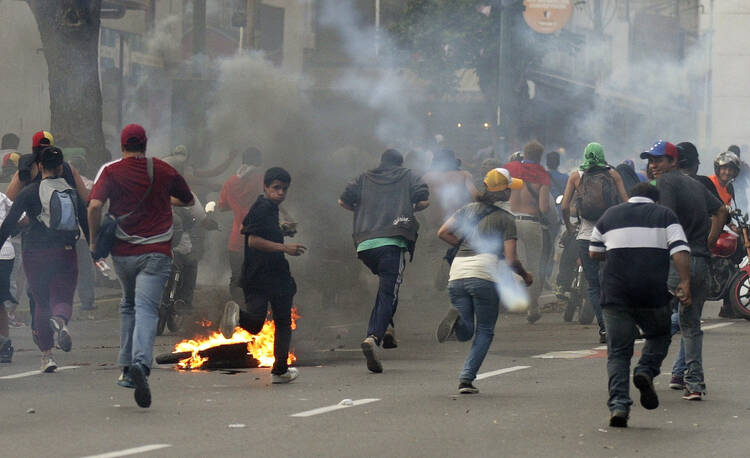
(252,321)
(387,262)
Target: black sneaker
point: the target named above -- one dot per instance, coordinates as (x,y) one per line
(447,325)
(533,317)
(6,351)
(618,419)
(644,383)
(368,348)
(603,337)
(467,388)
(389,339)
(64,341)
(142,393)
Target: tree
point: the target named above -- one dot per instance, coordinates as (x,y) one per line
(446,36)
(69,30)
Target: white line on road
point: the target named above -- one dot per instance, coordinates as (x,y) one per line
(131,451)
(30,373)
(310,413)
(717,325)
(501,372)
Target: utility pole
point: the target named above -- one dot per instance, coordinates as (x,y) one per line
(249,30)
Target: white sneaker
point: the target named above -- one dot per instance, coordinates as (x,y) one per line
(286,377)
(229,319)
(49,364)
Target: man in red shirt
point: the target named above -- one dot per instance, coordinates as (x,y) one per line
(238,194)
(142,252)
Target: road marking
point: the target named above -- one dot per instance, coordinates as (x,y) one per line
(714,326)
(310,413)
(501,372)
(575,354)
(30,373)
(131,451)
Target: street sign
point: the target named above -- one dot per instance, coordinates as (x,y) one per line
(547,16)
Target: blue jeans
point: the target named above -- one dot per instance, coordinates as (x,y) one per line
(678,369)
(592,274)
(142,279)
(690,322)
(474,296)
(388,263)
(621,333)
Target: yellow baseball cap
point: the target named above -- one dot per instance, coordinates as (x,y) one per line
(499,179)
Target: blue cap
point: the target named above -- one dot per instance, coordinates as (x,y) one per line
(661,148)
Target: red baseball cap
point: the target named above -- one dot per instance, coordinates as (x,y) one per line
(42,138)
(133,134)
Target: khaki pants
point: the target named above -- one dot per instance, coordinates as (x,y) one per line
(530,243)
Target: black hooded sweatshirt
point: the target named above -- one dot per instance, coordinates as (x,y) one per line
(383,200)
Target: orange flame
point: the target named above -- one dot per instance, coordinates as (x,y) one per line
(259,346)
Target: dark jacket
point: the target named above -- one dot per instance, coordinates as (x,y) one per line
(383,200)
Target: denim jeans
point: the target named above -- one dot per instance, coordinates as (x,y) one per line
(474,296)
(678,368)
(690,322)
(388,263)
(142,279)
(592,273)
(621,333)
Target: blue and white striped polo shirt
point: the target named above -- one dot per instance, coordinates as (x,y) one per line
(639,237)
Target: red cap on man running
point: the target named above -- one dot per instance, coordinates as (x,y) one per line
(133,135)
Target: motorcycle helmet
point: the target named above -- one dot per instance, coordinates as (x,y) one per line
(726,158)
(726,245)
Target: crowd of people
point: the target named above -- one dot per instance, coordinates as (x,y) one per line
(644,241)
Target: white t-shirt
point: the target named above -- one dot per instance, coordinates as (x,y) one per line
(6,251)
(482,265)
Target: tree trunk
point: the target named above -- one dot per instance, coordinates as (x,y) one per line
(69,30)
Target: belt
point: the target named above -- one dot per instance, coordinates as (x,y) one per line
(527,218)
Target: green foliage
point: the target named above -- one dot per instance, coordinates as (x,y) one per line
(444,36)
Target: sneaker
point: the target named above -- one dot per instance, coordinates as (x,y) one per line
(560,293)
(389,339)
(649,399)
(286,377)
(64,341)
(467,388)
(603,337)
(368,348)
(447,325)
(139,377)
(677,382)
(13,322)
(6,351)
(49,364)
(125,380)
(692,395)
(533,317)
(230,319)
(618,419)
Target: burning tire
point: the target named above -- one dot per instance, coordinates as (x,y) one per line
(739,295)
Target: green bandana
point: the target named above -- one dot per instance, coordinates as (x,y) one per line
(593,156)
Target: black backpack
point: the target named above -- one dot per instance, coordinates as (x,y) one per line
(596,193)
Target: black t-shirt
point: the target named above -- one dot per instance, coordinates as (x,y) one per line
(263,271)
(692,203)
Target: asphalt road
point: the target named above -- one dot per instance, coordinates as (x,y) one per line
(528,405)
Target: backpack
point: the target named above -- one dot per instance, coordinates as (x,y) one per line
(597,192)
(59,207)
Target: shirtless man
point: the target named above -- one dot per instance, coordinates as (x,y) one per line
(528,204)
(593,161)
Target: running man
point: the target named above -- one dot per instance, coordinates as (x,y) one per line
(486,236)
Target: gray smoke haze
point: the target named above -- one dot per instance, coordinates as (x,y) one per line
(383,88)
